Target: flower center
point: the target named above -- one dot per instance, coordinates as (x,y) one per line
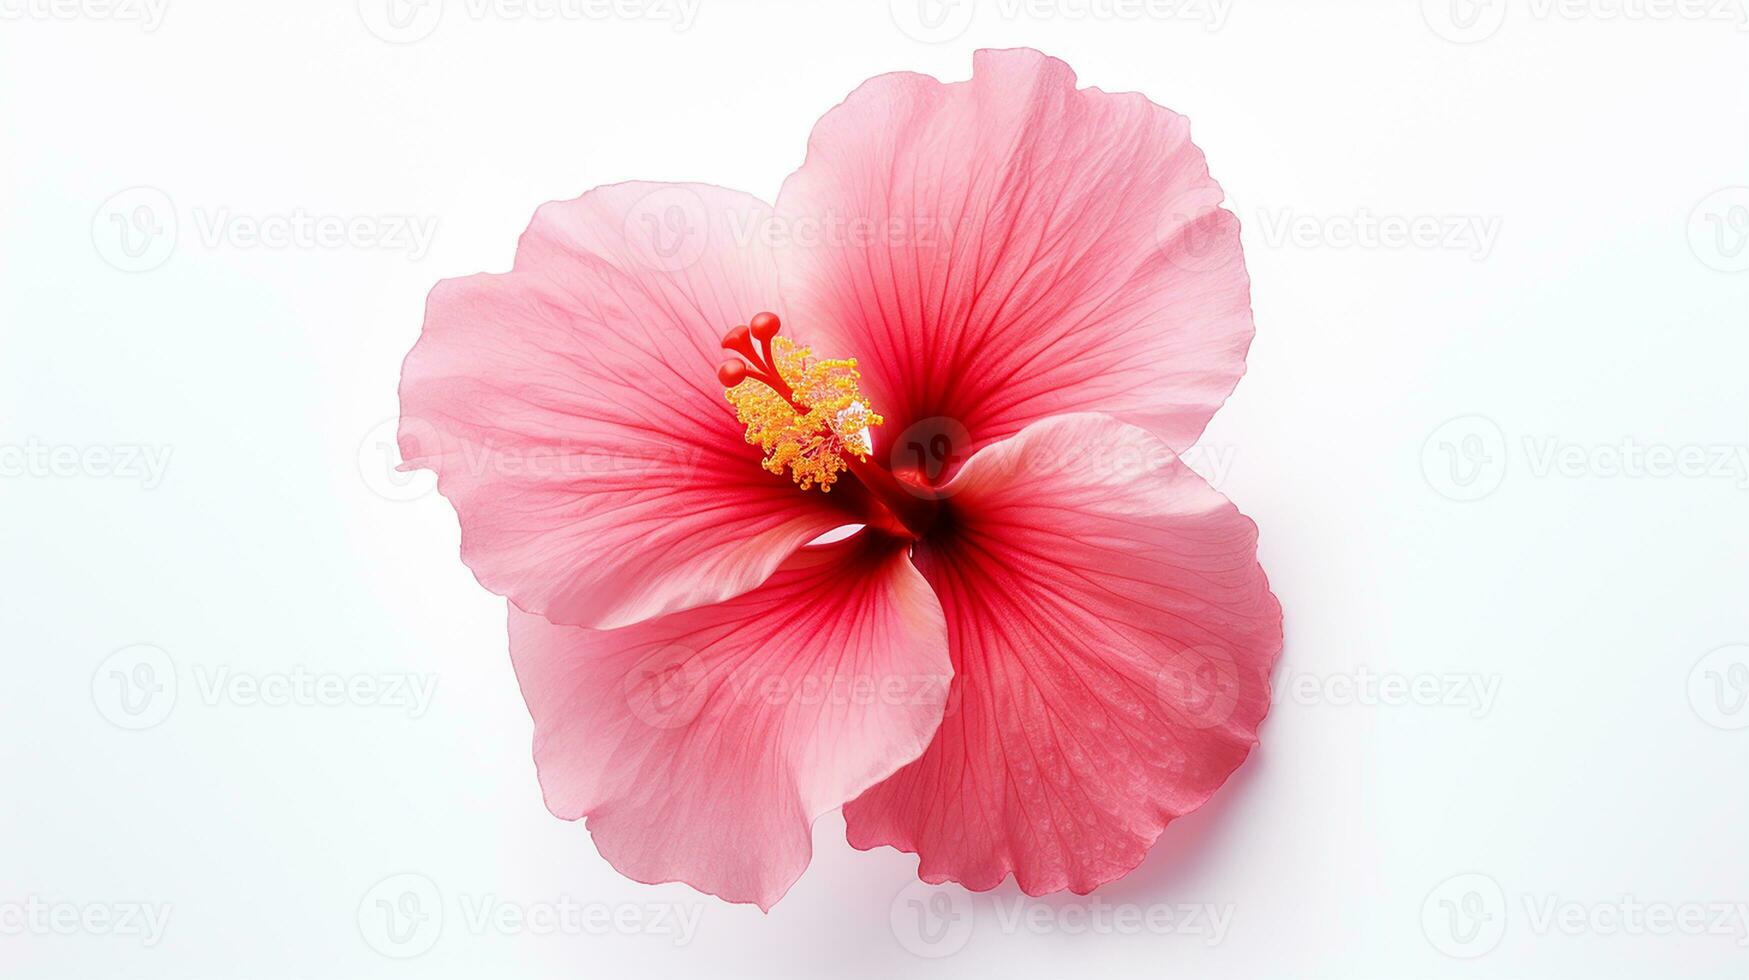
(806,413)
(810,418)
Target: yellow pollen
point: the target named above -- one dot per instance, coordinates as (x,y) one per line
(830,417)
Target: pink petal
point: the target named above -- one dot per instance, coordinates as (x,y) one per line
(1112,639)
(572,412)
(702,745)
(1009,248)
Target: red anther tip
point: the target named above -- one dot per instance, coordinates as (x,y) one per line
(765,325)
(731,373)
(736,338)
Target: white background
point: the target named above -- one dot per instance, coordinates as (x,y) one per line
(1587,312)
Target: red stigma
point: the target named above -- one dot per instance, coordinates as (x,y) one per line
(764,326)
(739,340)
(760,366)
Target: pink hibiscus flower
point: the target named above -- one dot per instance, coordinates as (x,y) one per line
(1049,638)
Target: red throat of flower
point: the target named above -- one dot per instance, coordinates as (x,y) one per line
(810,418)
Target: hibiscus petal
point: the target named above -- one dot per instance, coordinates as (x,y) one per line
(702,745)
(571,410)
(1009,248)
(1112,639)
